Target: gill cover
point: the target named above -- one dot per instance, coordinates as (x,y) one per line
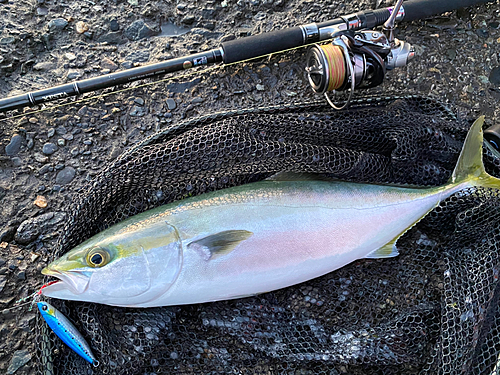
(146,260)
(148,263)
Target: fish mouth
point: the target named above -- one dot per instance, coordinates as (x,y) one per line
(75,281)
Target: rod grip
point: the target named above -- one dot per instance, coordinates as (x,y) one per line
(262,44)
(421,9)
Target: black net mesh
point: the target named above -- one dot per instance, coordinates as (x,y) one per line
(434,309)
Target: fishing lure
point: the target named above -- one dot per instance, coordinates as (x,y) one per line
(67,332)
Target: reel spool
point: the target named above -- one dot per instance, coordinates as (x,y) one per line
(344,64)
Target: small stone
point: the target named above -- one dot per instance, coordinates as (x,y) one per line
(81,27)
(188,20)
(49,148)
(19,359)
(139,30)
(139,101)
(495,76)
(21,275)
(260,87)
(61,142)
(65,176)
(483,33)
(112,38)
(30,229)
(16,161)
(136,111)
(7,40)
(51,132)
(494,25)
(2,262)
(70,56)
(34,257)
(108,64)
(43,66)
(181,6)
(14,145)
(61,130)
(57,24)
(138,56)
(87,142)
(40,201)
(133,2)
(42,11)
(289,93)
(40,158)
(113,25)
(74,74)
(171,104)
(197,100)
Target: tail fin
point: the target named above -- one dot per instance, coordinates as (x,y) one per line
(470,162)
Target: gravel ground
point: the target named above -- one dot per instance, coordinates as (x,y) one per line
(46,156)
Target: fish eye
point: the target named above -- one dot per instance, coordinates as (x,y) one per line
(44,307)
(97,257)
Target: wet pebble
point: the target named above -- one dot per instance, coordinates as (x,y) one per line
(30,229)
(495,76)
(61,142)
(139,101)
(57,24)
(16,162)
(49,148)
(108,64)
(188,20)
(40,158)
(14,145)
(65,176)
(2,262)
(42,11)
(51,132)
(137,111)
(139,30)
(21,275)
(171,104)
(113,25)
(19,359)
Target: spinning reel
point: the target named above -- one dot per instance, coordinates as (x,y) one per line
(356,59)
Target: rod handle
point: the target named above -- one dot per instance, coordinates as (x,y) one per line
(262,44)
(422,9)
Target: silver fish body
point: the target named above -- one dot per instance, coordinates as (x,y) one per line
(250,239)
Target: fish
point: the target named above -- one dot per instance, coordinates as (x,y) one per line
(252,239)
(67,332)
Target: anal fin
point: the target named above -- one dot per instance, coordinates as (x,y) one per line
(389,250)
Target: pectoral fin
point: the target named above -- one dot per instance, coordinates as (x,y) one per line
(389,250)
(218,244)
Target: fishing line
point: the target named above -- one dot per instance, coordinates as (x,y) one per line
(100,96)
(33,295)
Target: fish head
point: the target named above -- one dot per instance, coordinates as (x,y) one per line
(128,266)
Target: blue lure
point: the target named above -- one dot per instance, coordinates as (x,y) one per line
(66,331)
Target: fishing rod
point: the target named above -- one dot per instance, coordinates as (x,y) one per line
(354,59)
